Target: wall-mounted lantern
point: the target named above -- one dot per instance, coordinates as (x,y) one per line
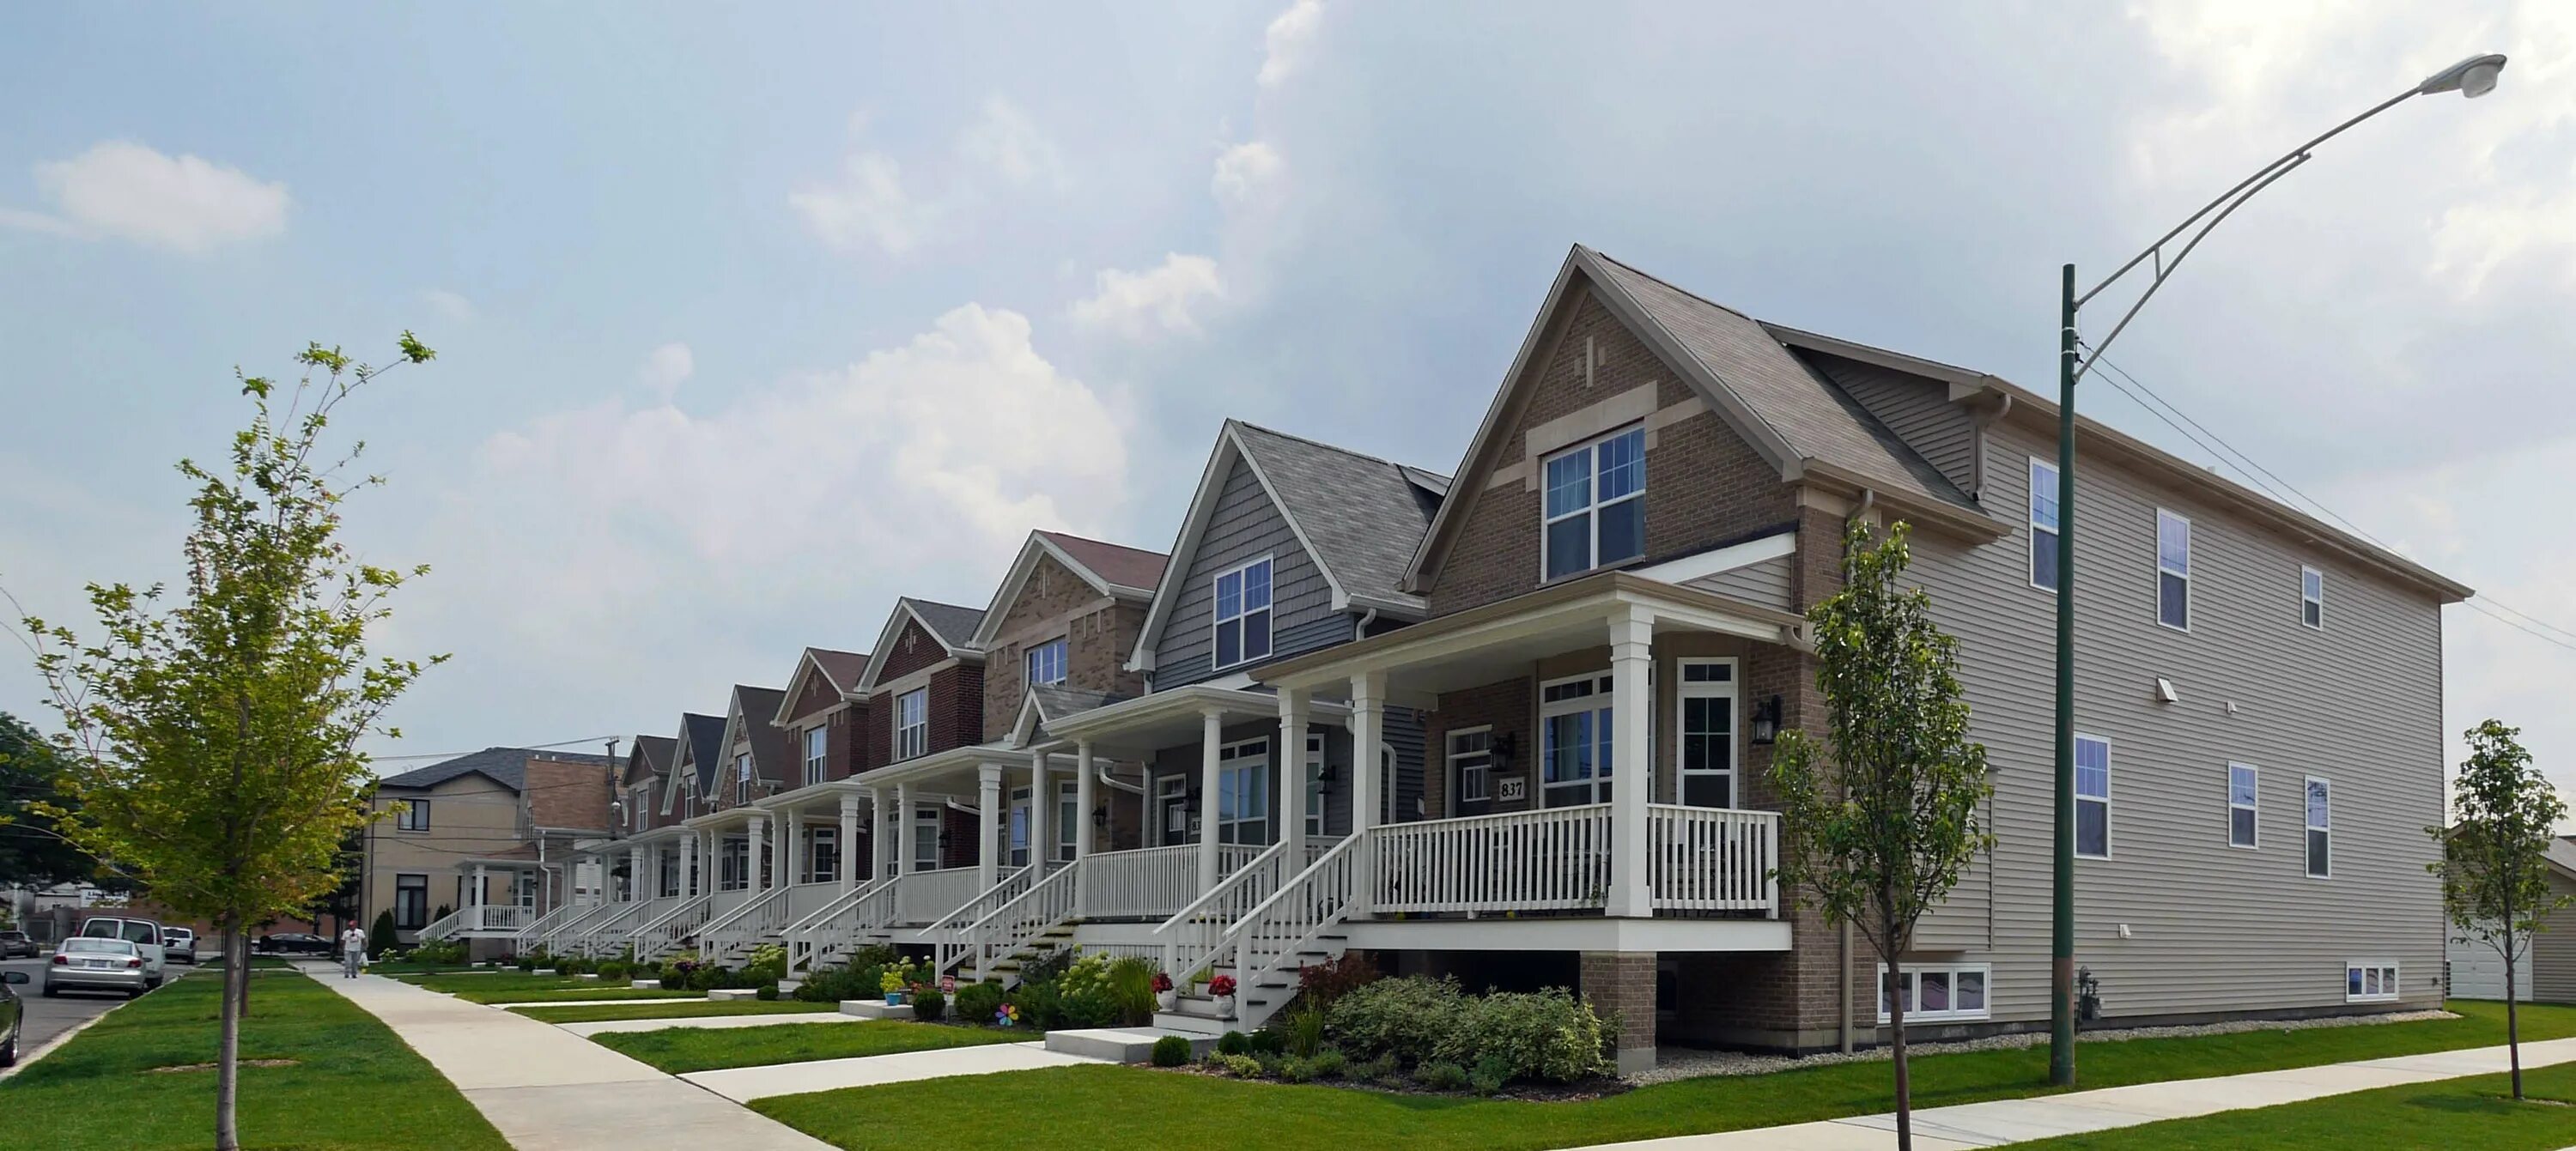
(1766,720)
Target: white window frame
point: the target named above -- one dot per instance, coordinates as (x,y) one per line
(818,752)
(1315,760)
(2108,765)
(2361,975)
(1242,762)
(1020,834)
(1068,819)
(1268,611)
(1171,792)
(1047,663)
(2254,809)
(1910,978)
(2309,828)
(2306,575)
(1479,759)
(741,778)
(1593,504)
(928,824)
(912,724)
(2163,514)
(414,816)
(2030,571)
(1685,688)
(1599,702)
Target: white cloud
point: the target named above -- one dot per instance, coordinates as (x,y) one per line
(665,368)
(1288,40)
(449,305)
(130,192)
(1154,302)
(867,210)
(1247,172)
(1004,139)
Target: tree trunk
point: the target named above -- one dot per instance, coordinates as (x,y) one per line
(2512,1019)
(1896,1038)
(228,1054)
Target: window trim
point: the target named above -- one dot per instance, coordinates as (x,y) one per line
(1984,971)
(1269,613)
(414,816)
(2162,514)
(1318,813)
(1593,505)
(2392,984)
(2255,807)
(399,889)
(1063,650)
(1167,789)
(1599,701)
(2318,599)
(742,772)
(2108,838)
(929,824)
(2030,509)
(2308,827)
(1457,779)
(911,740)
(1233,759)
(818,753)
(1684,688)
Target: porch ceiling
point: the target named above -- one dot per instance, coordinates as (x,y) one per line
(1136,728)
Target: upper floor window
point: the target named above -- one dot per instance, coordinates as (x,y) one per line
(413,817)
(912,723)
(1046,662)
(742,778)
(2320,828)
(1471,764)
(2312,598)
(2092,797)
(1595,510)
(2043,524)
(2242,804)
(2173,570)
(638,811)
(1243,614)
(817,753)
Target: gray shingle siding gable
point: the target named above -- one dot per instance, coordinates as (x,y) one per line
(1918,410)
(1244,526)
(2213,928)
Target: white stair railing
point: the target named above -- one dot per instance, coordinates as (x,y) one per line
(492,917)
(837,925)
(1713,859)
(443,927)
(665,933)
(1195,929)
(739,927)
(1550,859)
(1007,928)
(609,931)
(568,932)
(537,928)
(1274,937)
(946,930)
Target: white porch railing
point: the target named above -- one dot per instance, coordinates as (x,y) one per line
(491,918)
(664,934)
(1551,859)
(443,927)
(945,933)
(1039,906)
(1713,859)
(929,897)
(1195,929)
(1273,937)
(759,918)
(836,926)
(604,933)
(1152,882)
(537,928)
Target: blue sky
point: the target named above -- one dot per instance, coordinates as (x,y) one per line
(751,320)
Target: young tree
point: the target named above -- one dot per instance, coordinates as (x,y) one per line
(1877,825)
(212,741)
(33,850)
(2495,858)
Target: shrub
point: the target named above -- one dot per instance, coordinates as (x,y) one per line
(1295,1070)
(1536,1035)
(834,984)
(1233,1043)
(1239,1066)
(1441,1075)
(768,963)
(976,1002)
(1383,1071)
(1270,1064)
(1324,984)
(1490,1073)
(1041,1006)
(570,965)
(612,969)
(1131,989)
(1304,1029)
(1046,967)
(1408,1018)
(1329,1063)
(928,1005)
(380,935)
(766,992)
(527,963)
(1171,1051)
(1268,1042)
(1095,991)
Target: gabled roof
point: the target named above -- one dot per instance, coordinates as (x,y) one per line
(1788,413)
(507,766)
(701,742)
(953,626)
(1047,703)
(748,719)
(650,756)
(1358,517)
(1111,569)
(840,669)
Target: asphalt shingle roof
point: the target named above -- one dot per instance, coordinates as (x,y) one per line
(1055,702)
(1117,563)
(955,625)
(654,753)
(768,743)
(507,766)
(844,667)
(1363,515)
(705,734)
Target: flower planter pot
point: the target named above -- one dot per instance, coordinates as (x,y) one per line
(894,999)
(1167,1000)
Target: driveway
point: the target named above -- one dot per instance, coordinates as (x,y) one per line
(47,1018)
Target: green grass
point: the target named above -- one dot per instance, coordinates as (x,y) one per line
(353,1085)
(669,1009)
(678,1049)
(1099,1106)
(517,988)
(2475,1112)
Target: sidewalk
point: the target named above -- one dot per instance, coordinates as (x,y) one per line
(665,1023)
(745,1084)
(547,1089)
(1975,1125)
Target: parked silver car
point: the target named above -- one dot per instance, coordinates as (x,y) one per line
(179,945)
(144,934)
(84,963)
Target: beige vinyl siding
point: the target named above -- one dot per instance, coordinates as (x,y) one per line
(2553,952)
(1765,583)
(2213,928)
(1918,410)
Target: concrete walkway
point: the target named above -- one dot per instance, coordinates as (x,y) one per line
(665,1023)
(749,1083)
(548,1089)
(1974,1125)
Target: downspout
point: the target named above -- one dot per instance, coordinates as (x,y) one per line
(1110,780)
(1359,631)
(1868,496)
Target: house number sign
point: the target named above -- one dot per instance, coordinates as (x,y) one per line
(1514,789)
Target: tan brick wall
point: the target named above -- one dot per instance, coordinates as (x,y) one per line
(1099,634)
(1621,985)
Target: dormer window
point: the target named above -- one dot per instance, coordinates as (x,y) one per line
(1047,663)
(1243,614)
(1595,509)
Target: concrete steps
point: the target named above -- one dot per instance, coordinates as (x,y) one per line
(875,1009)
(1123,1044)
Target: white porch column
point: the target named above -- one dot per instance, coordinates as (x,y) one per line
(1292,773)
(1368,734)
(906,830)
(1042,813)
(1086,838)
(849,842)
(1211,736)
(758,845)
(1632,740)
(881,845)
(634,873)
(990,818)
(791,847)
(475,897)
(689,882)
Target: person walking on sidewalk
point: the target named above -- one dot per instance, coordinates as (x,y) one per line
(353,951)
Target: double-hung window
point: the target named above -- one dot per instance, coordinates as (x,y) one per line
(1243,792)
(2243,801)
(1046,663)
(1574,740)
(2092,797)
(1471,764)
(2043,524)
(2320,821)
(414,816)
(816,753)
(2173,570)
(1243,614)
(411,902)
(2312,598)
(2370,982)
(912,723)
(1595,509)
(742,778)
(1707,746)
(1935,991)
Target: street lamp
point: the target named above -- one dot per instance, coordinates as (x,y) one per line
(2473,77)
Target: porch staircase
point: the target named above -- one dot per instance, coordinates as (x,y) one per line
(668,932)
(836,928)
(947,935)
(1015,927)
(1260,928)
(540,927)
(730,938)
(443,927)
(596,934)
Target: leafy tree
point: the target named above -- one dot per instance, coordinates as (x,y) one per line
(212,741)
(1876,833)
(33,849)
(2495,858)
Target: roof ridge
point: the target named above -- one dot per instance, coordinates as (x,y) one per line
(1731,310)
(1313,442)
(936,603)
(1101,542)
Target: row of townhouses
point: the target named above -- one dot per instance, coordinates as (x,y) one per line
(1513,723)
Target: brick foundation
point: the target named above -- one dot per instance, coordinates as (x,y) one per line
(1621,985)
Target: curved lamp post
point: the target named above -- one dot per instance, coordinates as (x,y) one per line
(2473,77)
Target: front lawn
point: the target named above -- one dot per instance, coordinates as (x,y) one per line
(133,1080)
(679,1049)
(670,1009)
(455,981)
(1103,1106)
(576,994)
(517,988)
(2451,1113)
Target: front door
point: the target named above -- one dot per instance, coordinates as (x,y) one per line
(1019,827)
(1172,810)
